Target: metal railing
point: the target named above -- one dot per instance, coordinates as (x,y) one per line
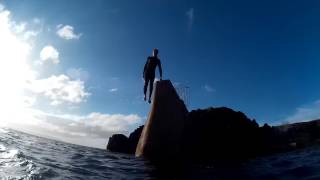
(183,92)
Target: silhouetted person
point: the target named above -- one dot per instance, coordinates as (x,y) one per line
(149,73)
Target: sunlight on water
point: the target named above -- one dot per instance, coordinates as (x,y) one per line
(14,165)
(3,130)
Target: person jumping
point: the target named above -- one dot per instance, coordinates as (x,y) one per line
(149,73)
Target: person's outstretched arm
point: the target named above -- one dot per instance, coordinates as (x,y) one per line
(160,69)
(145,67)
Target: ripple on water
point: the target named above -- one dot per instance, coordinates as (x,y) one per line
(77,156)
(24,156)
(14,165)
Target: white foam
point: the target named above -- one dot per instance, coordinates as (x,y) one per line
(3,130)
(10,154)
(14,165)
(2,148)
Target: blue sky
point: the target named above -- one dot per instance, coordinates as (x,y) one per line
(257,57)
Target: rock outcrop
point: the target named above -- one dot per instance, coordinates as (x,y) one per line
(203,136)
(134,139)
(162,134)
(118,143)
(123,144)
(219,133)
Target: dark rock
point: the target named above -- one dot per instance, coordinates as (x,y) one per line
(118,143)
(219,133)
(134,138)
(121,143)
(208,135)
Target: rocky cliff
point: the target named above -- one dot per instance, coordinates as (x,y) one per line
(219,133)
(207,135)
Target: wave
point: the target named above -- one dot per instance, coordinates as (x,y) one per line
(14,165)
(23,156)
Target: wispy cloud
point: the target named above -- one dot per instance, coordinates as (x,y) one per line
(67,32)
(19,28)
(49,53)
(190,16)
(2,7)
(36,20)
(305,113)
(208,88)
(115,78)
(78,73)
(29,34)
(113,90)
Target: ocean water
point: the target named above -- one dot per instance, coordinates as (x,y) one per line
(24,156)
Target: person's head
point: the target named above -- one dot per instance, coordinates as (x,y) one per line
(155,52)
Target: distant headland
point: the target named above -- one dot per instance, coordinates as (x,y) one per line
(207,135)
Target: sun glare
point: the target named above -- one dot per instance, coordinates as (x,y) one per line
(14,70)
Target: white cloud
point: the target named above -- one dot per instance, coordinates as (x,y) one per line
(59,26)
(29,34)
(190,15)
(92,129)
(111,123)
(21,89)
(78,73)
(208,88)
(19,28)
(12,27)
(29,101)
(36,20)
(67,32)
(113,90)
(49,53)
(60,89)
(305,113)
(14,68)
(2,7)
(115,78)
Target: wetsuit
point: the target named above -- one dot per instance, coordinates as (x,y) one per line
(149,73)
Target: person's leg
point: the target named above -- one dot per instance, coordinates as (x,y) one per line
(145,87)
(150,89)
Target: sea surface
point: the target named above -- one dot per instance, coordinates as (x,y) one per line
(24,156)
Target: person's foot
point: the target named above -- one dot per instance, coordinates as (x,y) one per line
(144,98)
(149,101)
